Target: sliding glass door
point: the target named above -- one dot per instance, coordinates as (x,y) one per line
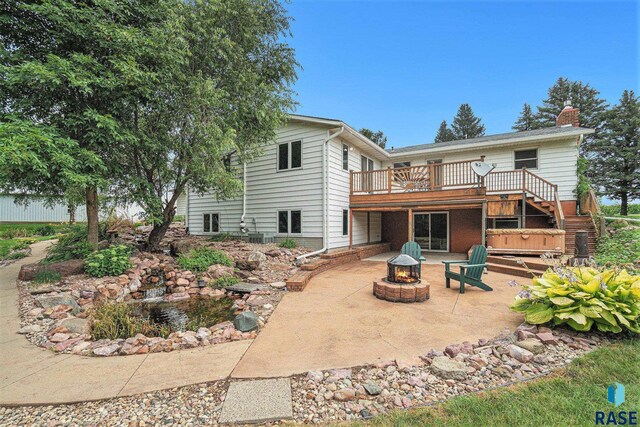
(431,231)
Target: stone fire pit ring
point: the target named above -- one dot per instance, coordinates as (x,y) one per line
(395,292)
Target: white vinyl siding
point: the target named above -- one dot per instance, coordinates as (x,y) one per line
(269,190)
(339,187)
(557,161)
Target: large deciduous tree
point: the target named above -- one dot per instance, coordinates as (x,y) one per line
(444,134)
(465,124)
(75,67)
(615,154)
(225,89)
(378,137)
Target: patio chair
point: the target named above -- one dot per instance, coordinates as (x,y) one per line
(414,250)
(470,271)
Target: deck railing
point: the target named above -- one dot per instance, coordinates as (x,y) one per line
(454,175)
(431,177)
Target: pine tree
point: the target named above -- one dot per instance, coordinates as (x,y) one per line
(581,95)
(615,154)
(378,137)
(465,124)
(444,133)
(526,120)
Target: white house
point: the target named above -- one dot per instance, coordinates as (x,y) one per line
(327,186)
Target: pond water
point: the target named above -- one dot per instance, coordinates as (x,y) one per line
(189,314)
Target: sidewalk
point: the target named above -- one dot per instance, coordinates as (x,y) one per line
(33,375)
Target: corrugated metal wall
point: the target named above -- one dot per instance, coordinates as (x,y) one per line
(36,211)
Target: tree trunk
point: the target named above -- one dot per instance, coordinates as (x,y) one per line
(156,235)
(624,203)
(72,214)
(91,194)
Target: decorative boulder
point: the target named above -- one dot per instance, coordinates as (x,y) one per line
(217,270)
(246,321)
(182,246)
(65,268)
(53,301)
(254,261)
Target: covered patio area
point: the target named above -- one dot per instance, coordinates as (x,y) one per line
(337,322)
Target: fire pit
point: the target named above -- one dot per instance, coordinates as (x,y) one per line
(402,283)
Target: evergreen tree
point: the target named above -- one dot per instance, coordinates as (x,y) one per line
(581,95)
(465,124)
(615,153)
(444,133)
(526,120)
(378,137)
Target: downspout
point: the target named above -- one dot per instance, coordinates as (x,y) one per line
(325,197)
(243,225)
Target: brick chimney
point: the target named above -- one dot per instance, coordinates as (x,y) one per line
(568,116)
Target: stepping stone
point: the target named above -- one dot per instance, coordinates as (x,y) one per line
(257,401)
(245,288)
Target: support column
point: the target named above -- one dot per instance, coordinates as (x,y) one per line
(410,225)
(368,227)
(523,221)
(484,223)
(350,228)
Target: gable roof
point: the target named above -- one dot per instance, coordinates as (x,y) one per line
(497,139)
(509,138)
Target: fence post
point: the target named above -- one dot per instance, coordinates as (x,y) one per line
(389,178)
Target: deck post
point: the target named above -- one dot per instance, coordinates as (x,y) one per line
(484,223)
(351,182)
(350,228)
(368,227)
(389,179)
(410,225)
(524,210)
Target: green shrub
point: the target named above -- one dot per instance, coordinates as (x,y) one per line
(116,320)
(73,244)
(222,237)
(583,297)
(46,230)
(288,243)
(614,210)
(198,260)
(622,247)
(47,276)
(16,255)
(224,281)
(178,218)
(108,262)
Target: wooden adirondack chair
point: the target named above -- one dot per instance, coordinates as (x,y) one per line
(470,271)
(414,250)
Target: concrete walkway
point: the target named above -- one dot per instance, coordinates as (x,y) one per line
(336,322)
(32,375)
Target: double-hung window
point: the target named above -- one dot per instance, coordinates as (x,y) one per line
(526,159)
(345,222)
(290,155)
(211,223)
(290,222)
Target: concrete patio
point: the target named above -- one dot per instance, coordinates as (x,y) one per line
(337,322)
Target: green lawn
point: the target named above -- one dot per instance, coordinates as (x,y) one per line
(18,235)
(570,397)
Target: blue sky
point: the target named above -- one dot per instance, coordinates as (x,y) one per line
(403,67)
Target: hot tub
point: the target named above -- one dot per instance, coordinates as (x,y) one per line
(525,241)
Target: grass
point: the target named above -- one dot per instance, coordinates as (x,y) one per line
(47,276)
(11,230)
(621,247)
(570,397)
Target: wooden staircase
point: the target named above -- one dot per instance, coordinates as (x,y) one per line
(575,223)
(511,265)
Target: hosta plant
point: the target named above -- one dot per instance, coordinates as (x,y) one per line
(583,298)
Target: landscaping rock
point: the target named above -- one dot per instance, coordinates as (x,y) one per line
(279,285)
(243,288)
(75,325)
(344,394)
(254,261)
(30,329)
(447,368)
(520,354)
(531,344)
(183,246)
(246,321)
(107,350)
(53,301)
(65,268)
(372,388)
(547,338)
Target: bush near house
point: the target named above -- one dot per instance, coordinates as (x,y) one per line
(112,261)
(621,246)
(199,259)
(583,298)
(289,244)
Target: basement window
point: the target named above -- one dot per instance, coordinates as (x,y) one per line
(211,223)
(526,159)
(506,223)
(290,155)
(290,222)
